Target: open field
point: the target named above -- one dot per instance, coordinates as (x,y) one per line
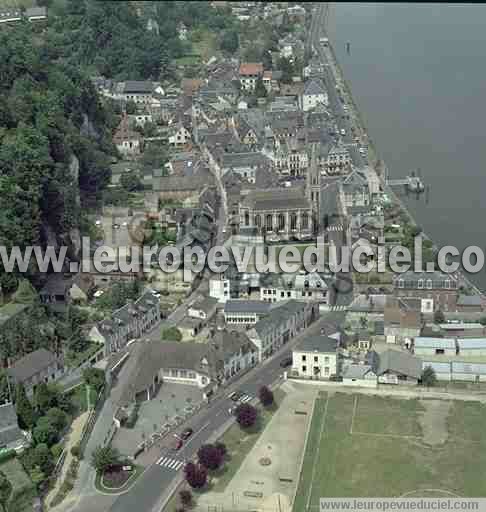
(365,446)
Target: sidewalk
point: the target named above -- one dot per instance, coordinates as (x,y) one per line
(73,439)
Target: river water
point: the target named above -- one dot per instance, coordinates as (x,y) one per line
(418,75)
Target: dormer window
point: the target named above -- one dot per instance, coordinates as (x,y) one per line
(401,283)
(420,283)
(429,284)
(447,284)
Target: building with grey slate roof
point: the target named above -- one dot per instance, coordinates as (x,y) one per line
(239,312)
(282,323)
(359,375)
(206,365)
(36,367)
(396,367)
(434,346)
(129,322)
(440,287)
(282,212)
(11,437)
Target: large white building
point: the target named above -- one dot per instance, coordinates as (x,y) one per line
(315,358)
(314,94)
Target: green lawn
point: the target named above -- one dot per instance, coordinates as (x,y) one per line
(23,489)
(383,463)
(79,398)
(239,443)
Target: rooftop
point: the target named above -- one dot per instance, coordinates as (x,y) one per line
(321,344)
(246,306)
(31,364)
(251,68)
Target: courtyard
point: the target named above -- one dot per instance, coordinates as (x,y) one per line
(370,446)
(172,403)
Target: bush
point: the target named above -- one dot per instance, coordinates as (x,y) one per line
(246,415)
(185,497)
(266,396)
(172,334)
(76,451)
(210,457)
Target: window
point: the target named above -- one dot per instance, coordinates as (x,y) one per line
(304,369)
(429,284)
(447,284)
(191,375)
(326,360)
(303,358)
(326,370)
(420,283)
(401,283)
(204,380)
(183,374)
(439,351)
(316,359)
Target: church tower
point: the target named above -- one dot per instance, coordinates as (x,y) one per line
(313,185)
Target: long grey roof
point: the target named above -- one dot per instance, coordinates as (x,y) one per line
(9,429)
(314,87)
(471,343)
(236,160)
(276,199)
(468,368)
(322,344)
(279,315)
(440,343)
(31,364)
(137,86)
(469,300)
(246,306)
(399,362)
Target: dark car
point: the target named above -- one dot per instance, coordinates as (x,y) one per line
(287,361)
(177,444)
(187,433)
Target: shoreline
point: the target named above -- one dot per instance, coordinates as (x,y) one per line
(376,163)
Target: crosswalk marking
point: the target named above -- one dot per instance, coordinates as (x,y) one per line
(168,463)
(339,308)
(335,227)
(245,398)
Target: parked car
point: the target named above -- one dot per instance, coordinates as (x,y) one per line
(286,361)
(178,442)
(186,434)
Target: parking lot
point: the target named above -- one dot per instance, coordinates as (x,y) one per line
(172,403)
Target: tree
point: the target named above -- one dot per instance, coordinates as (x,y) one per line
(131,107)
(185,497)
(229,42)
(287,69)
(428,377)
(260,90)
(196,475)
(42,457)
(171,334)
(25,293)
(5,490)
(95,378)
(266,396)
(246,415)
(155,156)
(209,457)
(45,397)
(24,408)
(439,317)
(221,447)
(103,457)
(45,432)
(57,418)
(78,342)
(131,182)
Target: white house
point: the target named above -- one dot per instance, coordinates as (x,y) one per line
(314,94)
(315,358)
(249,73)
(220,289)
(472,347)
(179,135)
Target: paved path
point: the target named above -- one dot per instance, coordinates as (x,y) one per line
(389,390)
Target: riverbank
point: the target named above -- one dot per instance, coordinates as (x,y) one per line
(375,162)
